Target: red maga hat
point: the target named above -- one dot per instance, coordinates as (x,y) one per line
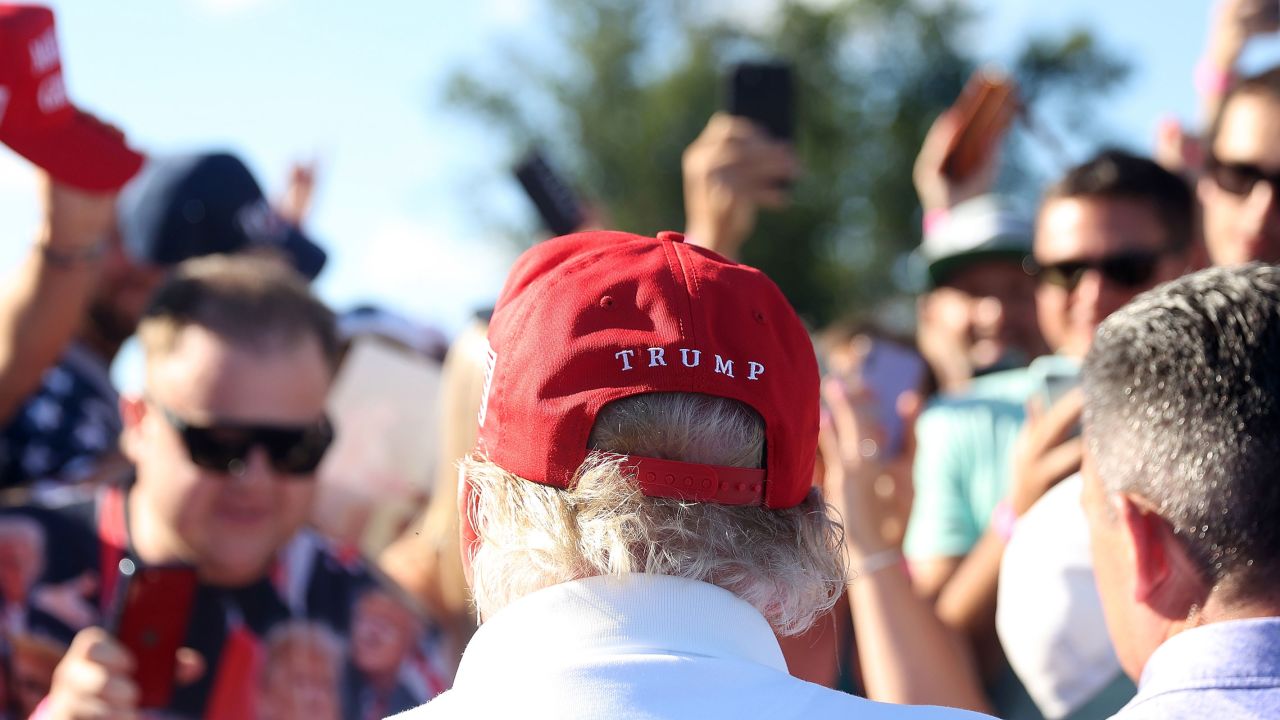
(590,318)
(36,118)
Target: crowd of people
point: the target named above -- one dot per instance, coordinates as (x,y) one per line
(654,492)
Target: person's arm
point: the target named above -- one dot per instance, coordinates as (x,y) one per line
(732,169)
(1234,23)
(937,192)
(1046,454)
(907,655)
(41,307)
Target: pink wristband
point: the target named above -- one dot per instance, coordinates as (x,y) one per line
(933,219)
(1210,81)
(1003,520)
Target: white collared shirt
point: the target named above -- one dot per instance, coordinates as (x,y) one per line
(639,646)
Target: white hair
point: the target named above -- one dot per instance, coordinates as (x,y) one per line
(786,563)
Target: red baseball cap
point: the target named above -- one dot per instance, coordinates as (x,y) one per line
(590,318)
(36,118)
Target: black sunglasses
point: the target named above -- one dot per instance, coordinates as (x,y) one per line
(1240,178)
(225,447)
(1130,270)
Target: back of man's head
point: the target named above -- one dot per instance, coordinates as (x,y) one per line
(1183,410)
(650,407)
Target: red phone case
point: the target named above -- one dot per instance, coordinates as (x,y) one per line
(986,107)
(152,612)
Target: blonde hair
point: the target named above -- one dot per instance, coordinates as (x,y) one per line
(786,563)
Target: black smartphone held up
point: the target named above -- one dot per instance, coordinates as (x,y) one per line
(149,616)
(763,92)
(561,211)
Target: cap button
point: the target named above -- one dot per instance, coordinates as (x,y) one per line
(671,236)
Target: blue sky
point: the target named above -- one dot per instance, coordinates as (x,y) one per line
(359,88)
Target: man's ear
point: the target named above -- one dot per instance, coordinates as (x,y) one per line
(1165,578)
(469,536)
(132,410)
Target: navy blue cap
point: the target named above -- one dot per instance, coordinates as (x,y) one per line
(180,207)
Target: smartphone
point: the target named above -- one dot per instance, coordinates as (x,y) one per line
(888,370)
(557,204)
(1055,376)
(150,615)
(986,107)
(763,92)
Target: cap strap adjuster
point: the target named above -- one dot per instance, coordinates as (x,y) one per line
(696,482)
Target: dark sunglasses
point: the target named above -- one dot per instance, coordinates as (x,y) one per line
(225,447)
(1240,178)
(1130,270)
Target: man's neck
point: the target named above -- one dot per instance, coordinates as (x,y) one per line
(1217,609)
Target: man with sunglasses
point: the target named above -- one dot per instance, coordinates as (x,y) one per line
(225,443)
(1109,229)
(1238,190)
(1240,223)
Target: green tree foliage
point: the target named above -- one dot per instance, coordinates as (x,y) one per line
(628,84)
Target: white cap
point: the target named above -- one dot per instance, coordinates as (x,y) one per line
(1048,612)
(986,227)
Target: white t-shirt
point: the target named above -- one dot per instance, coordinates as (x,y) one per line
(639,646)
(1048,612)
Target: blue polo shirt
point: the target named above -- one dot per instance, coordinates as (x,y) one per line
(1221,670)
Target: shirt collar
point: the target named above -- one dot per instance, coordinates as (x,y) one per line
(1235,653)
(635,613)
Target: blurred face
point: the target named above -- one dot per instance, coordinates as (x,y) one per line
(301,684)
(228,522)
(382,633)
(122,293)
(1241,214)
(985,314)
(1095,255)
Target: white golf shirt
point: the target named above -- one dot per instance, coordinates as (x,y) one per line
(639,646)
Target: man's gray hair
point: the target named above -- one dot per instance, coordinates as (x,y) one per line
(786,563)
(1182,408)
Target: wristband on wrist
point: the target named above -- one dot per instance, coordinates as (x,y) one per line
(933,219)
(1211,81)
(1004,519)
(877,561)
(71,257)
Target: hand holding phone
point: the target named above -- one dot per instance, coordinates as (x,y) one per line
(149,618)
(93,679)
(730,171)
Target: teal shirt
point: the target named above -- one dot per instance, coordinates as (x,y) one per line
(964,463)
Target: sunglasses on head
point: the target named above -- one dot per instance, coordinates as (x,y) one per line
(1130,270)
(225,447)
(1240,178)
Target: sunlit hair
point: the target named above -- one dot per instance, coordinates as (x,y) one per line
(254,302)
(1182,408)
(785,563)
